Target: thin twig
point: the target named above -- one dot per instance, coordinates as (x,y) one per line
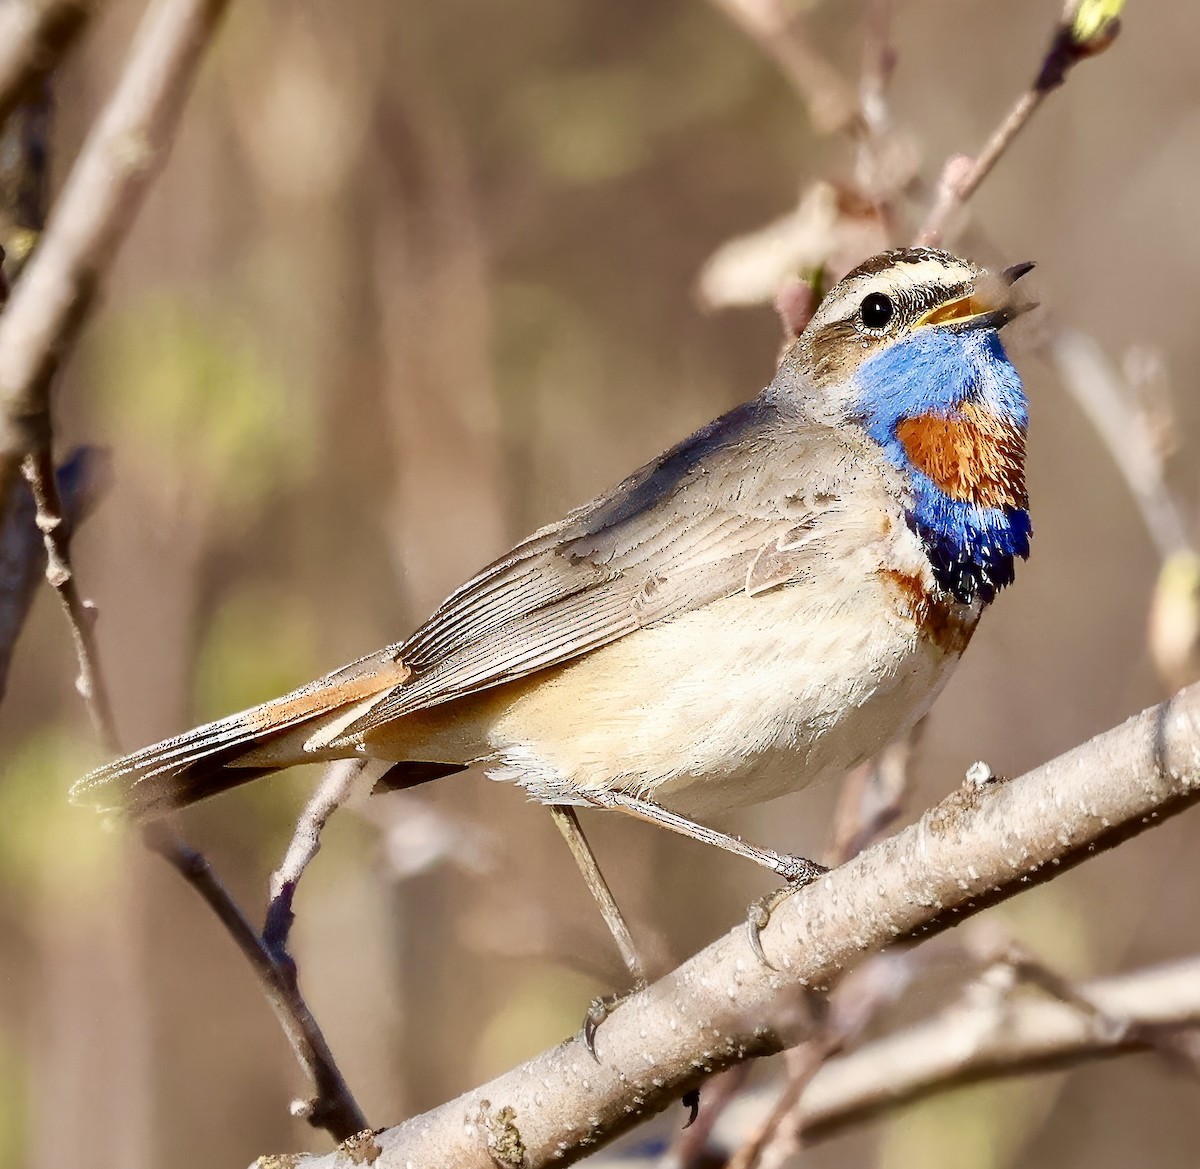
(335,788)
(34,37)
(120,157)
(38,469)
(979,846)
(332,1106)
(781,33)
(82,479)
(961,176)
(1099,392)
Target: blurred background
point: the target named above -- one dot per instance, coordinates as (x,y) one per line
(418,278)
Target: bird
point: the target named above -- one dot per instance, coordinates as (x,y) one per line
(763,606)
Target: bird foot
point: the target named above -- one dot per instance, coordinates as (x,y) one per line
(798,872)
(601,1007)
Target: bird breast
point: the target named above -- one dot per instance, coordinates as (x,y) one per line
(747,698)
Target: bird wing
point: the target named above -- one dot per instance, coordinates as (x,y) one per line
(745,503)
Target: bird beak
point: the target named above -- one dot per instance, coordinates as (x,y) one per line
(989,306)
(1014,273)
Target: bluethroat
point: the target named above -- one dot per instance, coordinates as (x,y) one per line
(765,605)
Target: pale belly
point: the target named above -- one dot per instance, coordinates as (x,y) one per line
(737,703)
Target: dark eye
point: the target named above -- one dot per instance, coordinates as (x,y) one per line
(876,311)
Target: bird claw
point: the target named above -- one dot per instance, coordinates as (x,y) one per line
(691,1101)
(798,872)
(599,1010)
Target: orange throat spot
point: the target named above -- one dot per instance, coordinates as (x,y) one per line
(976,457)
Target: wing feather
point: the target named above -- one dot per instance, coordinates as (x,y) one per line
(722,511)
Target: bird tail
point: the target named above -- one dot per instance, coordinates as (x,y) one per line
(301,727)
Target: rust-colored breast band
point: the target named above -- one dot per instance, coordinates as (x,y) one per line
(976,457)
(939,619)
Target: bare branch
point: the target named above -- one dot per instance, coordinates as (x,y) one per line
(38,469)
(964,1043)
(979,846)
(332,1107)
(122,154)
(81,481)
(335,788)
(1073,40)
(34,37)
(781,33)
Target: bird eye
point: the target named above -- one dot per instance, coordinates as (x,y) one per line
(876,311)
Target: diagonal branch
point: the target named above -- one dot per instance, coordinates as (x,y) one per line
(979,846)
(963,1045)
(122,154)
(1083,32)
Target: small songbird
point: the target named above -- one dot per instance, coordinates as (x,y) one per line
(765,605)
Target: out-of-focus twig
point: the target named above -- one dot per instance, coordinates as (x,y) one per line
(34,37)
(778,1138)
(1129,434)
(122,154)
(782,34)
(1082,32)
(871,799)
(967,1042)
(878,63)
(1100,393)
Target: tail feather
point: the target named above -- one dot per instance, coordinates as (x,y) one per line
(234,750)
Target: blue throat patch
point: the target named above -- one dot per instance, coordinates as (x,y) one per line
(936,372)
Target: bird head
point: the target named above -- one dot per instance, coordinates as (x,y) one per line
(907,348)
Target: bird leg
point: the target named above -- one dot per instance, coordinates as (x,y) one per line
(568,824)
(793,869)
(796,870)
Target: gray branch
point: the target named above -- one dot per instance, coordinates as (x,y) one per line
(122,154)
(979,846)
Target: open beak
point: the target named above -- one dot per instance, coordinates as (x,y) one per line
(985,307)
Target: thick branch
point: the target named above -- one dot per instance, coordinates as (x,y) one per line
(122,154)
(977,847)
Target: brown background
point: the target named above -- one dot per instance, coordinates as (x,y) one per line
(418,277)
